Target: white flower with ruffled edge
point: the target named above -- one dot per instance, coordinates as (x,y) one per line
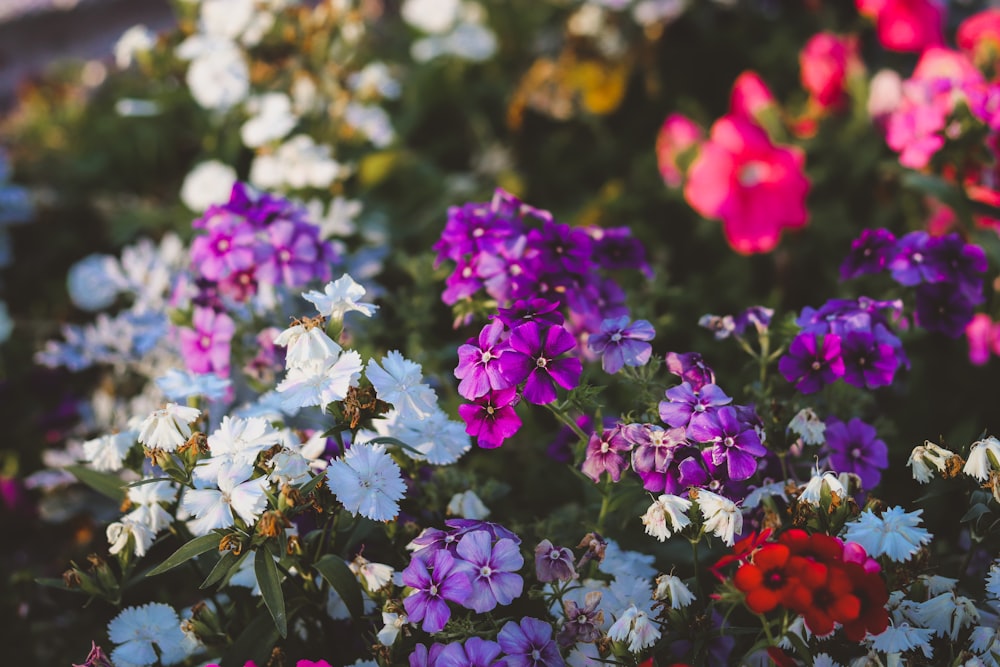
(399,382)
(984,457)
(722,517)
(119,532)
(367,481)
(320,382)
(340,297)
(217,508)
(669,587)
(666,507)
(107,453)
(272,119)
(207,184)
(137,629)
(168,428)
(896,534)
(148,498)
(468,505)
(306,344)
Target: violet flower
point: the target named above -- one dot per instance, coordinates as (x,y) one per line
(583,624)
(531,310)
(854,448)
(870,253)
(479,367)
(812,362)
(529,643)
(943,308)
(687,406)
(690,368)
(441,579)
(422,657)
(553,563)
(493,576)
(616,248)
(603,455)
(734,442)
(664,459)
(869,359)
(475,652)
(491,418)
(909,266)
(534,359)
(206,347)
(622,344)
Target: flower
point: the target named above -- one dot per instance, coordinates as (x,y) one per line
(440,579)
(306,345)
(984,457)
(622,344)
(734,442)
(339,298)
(107,453)
(534,358)
(475,652)
(400,383)
(494,579)
(666,507)
(895,534)
(813,490)
(825,62)
(467,505)
(529,643)
(669,587)
(635,626)
(120,532)
(553,563)
(853,448)
(167,428)
(392,624)
(870,253)
(479,362)
(904,637)
(678,138)
(603,454)
(96,658)
(214,508)
(722,517)
(206,184)
(582,622)
(905,25)
(320,382)
(137,629)
(178,385)
(812,362)
(491,417)
(367,481)
(808,425)
(756,188)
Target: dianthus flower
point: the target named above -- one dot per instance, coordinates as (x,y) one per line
(896,534)
(367,481)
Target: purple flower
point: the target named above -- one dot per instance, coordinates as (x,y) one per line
(869,359)
(440,579)
(297,256)
(462,283)
(553,563)
(583,624)
(734,442)
(496,531)
(690,368)
(870,253)
(474,228)
(616,248)
(493,575)
(854,448)
(687,406)
(479,367)
(529,644)
(531,310)
(561,249)
(660,458)
(620,343)
(812,362)
(229,246)
(944,308)
(206,347)
(909,266)
(603,455)
(421,657)
(476,652)
(491,418)
(535,360)
(96,658)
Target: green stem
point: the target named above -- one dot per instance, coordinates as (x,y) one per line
(605,506)
(568,421)
(767,631)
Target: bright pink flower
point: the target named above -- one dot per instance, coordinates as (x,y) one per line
(206,346)
(825,63)
(678,135)
(905,25)
(979,36)
(981,334)
(750,98)
(755,187)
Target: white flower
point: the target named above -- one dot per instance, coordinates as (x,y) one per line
(137,629)
(400,383)
(91,282)
(226,19)
(937,584)
(168,428)
(947,614)
(824,660)
(367,482)
(984,640)
(468,506)
(393,623)
(135,40)
(242,439)
(147,499)
(896,534)
(669,587)
(755,497)
(902,638)
(635,626)
(666,506)
(107,452)
(435,438)
(885,93)
(320,382)
(119,532)
(993,581)
(620,628)
(374,79)
(808,425)
(374,575)
(178,385)
(433,16)
(618,562)
(219,78)
(627,590)
(273,119)
(214,508)
(722,516)
(814,488)
(371,121)
(983,457)
(340,297)
(207,184)
(306,345)
(298,163)
(337,219)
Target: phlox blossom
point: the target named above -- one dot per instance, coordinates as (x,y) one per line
(905,25)
(756,188)
(367,481)
(168,428)
(678,137)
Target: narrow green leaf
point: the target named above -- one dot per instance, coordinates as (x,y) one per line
(311,485)
(974,513)
(254,643)
(228,562)
(195,547)
(105,484)
(270,588)
(148,480)
(335,570)
(389,440)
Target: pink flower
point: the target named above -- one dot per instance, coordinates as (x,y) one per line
(979,36)
(206,346)
(825,62)
(750,97)
(905,25)
(981,334)
(678,135)
(755,187)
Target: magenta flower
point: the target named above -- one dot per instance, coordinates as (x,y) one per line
(854,448)
(754,187)
(690,368)
(870,253)
(206,347)
(678,136)
(535,359)
(812,362)
(229,246)
(604,455)
(424,657)
(529,643)
(479,367)
(622,344)
(905,25)
(441,579)
(297,254)
(664,458)
(734,442)
(824,65)
(491,418)
(493,575)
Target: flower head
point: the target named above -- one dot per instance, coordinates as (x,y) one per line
(339,298)
(896,534)
(168,428)
(367,481)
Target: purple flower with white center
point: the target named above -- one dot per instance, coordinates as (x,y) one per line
(869,359)
(616,248)
(909,266)
(812,362)
(664,459)
(734,442)
(479,367)
(422,657)
(462,283)
(439,580)
(474,228)
(531,310)
(433,539)
(553,563)
(510,272)
(493,575)
(583,624)
(944,308)
(476,652)
(491,418)
(229,246)
(758,317)
(854,448)
(534,358)
(561,249)
(297,256)
(529,644)
(591,304)
(496,531)
(870,254)
(206,347)
(952,260)
(690,368)
(604,455)
(687,406)
(622,344)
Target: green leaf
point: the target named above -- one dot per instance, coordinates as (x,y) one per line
(254,643)
(226,564)
(311,485)
(195,547)
(974,513)
(388,440)
(270,588)
(148,480)
(107,485)
(335,570)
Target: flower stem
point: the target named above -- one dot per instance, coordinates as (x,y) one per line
(568,421)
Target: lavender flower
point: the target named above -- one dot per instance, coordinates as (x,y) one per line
(441,579)
(553,563)
(690,368)
(475,652)
(493,576)
(622,344)
(664,459)
(424,657)
(603,455)
(583,624)
(529,643)
(687,406)
(534,359)
(735,443)
(479,367)
(854,448)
